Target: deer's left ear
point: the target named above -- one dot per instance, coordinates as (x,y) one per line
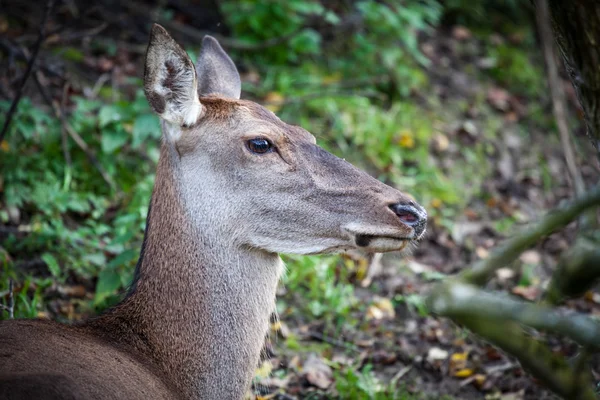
(170,80)
(217,74)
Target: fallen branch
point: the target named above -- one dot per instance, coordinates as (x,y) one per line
(535,357)
(506,253)
(577,271)
(34,53)
(461,301)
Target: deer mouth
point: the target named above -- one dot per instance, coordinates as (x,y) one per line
(380,243)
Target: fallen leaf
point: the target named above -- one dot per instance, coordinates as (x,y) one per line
(504,274)
(440,142)
(482,252)
(316,372)
(479,380)
(498,98)
(461,33)
(463,373)
(264,370)
(527,292)
(406,140)
(381,308)
(531,257)
(72,291)
(462,229)
(436,354)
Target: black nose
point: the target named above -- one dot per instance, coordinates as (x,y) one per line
(413,215)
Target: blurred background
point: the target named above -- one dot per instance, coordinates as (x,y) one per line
(448,100)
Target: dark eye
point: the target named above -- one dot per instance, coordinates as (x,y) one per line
(259,145)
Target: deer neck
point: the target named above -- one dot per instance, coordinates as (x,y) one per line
(199,306)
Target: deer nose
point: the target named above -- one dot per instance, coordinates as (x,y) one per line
(413,215)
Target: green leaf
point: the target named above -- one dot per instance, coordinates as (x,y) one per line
(146,125)
(52,264)
(108,282)
(123,258)
(112,139)
(107,115)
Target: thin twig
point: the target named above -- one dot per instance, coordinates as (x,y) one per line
(506,253)
(11,299)
(34,53)
(400,374)
(65,140)
(332,341)
(557,95)
(82,145)
(10,308)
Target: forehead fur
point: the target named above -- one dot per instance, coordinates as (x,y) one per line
(225,109)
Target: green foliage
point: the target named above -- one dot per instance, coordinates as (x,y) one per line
(353,384)
(78,223)
(513,68)
(484,13)
(383,42)
(322,283)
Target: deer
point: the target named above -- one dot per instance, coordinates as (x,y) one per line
(235,186)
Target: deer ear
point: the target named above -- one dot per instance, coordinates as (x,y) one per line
(170,80)
(217,74)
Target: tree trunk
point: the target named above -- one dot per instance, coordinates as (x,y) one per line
(576,26)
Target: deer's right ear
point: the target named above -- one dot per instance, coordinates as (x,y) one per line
(170,81)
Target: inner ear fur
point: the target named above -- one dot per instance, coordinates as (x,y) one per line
(170,82)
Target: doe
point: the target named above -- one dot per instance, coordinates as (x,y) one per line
(234,187)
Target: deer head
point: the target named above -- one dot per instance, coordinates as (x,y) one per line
(257,181)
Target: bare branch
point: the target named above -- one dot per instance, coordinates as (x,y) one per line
(34,53)
(535,357)
(577,271)
(506,253)
(462,301)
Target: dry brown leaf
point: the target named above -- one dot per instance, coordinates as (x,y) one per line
(316,372)
(527,292)
(461,33)
(531,257)
(381,308)
(498,98)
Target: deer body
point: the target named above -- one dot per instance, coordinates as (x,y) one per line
(234,187)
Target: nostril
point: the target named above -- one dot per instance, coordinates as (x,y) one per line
(412,215)
(407,213)
(407,217)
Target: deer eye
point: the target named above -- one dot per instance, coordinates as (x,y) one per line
(259,145)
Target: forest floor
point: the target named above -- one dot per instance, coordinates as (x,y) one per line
(383,338)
